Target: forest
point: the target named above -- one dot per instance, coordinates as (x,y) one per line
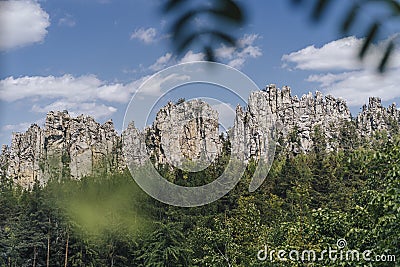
(307,202)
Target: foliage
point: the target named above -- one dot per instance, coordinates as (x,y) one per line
(222,15)
(307,202)
(226,13)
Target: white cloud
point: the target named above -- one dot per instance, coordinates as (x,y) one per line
(250,51)
(236,63)
(190,56)
(225,52)
(21,23)
(154,86)
(226,114)
(7,129)
(169,59)
(68,20)
(233,56)
(19,127)
(161,62)
(97,110)
(247,40)
(337,55)
(147,36)
(357,86)
(83,88)
(80,95)
(237,56)
(340,73)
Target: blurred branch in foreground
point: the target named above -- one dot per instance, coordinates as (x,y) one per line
(223,15)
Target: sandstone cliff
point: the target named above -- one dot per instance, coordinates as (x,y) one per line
(375,117)
(80,146)
(295,118)
(65,146)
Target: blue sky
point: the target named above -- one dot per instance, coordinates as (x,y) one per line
(90,56)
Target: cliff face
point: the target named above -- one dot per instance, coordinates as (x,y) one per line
(295,118)
(181,134)
(375,117)
(26,155)
(80,146)
(185,131)
(65,146)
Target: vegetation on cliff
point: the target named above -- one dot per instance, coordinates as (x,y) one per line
(308,202)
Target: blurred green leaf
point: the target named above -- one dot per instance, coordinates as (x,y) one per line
(372,33)
(172,4)
(186,42)
(385,58)
(319,9)
(189,39)
(209,52)
(223,37)
(230,10)
(395,6)
(296,2)
(350,18)
(180,25)
(228,13)
(220,12)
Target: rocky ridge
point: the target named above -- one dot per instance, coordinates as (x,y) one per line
(80,146)
(65,146)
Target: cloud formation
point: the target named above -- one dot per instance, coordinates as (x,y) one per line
(90,95)
(337,70)
(336,55)
(237,56)
(82,88)
(84,94)
(68,20)
(357,86)
(226,114)
(22,23)
(147,36)
(190,56)
(95,109)
(19,127)
(161,62)
(232,56)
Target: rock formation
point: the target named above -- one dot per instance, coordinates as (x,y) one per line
(375,117)
(297,118)
(80,146)
(185,131)
(66,146)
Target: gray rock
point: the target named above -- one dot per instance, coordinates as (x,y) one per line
(186,132)
(375,117)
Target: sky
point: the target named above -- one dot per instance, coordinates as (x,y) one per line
(91,56)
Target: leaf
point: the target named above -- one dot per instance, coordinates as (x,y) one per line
(224,37)
(296,2)
(172,4)
(319,9)
(350,18)
(395,6)
(386,56)
(220,13)
(185,43)
(179,26)
(230,10)
(373,30)
(208,51)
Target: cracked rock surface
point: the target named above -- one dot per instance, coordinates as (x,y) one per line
(80,146)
